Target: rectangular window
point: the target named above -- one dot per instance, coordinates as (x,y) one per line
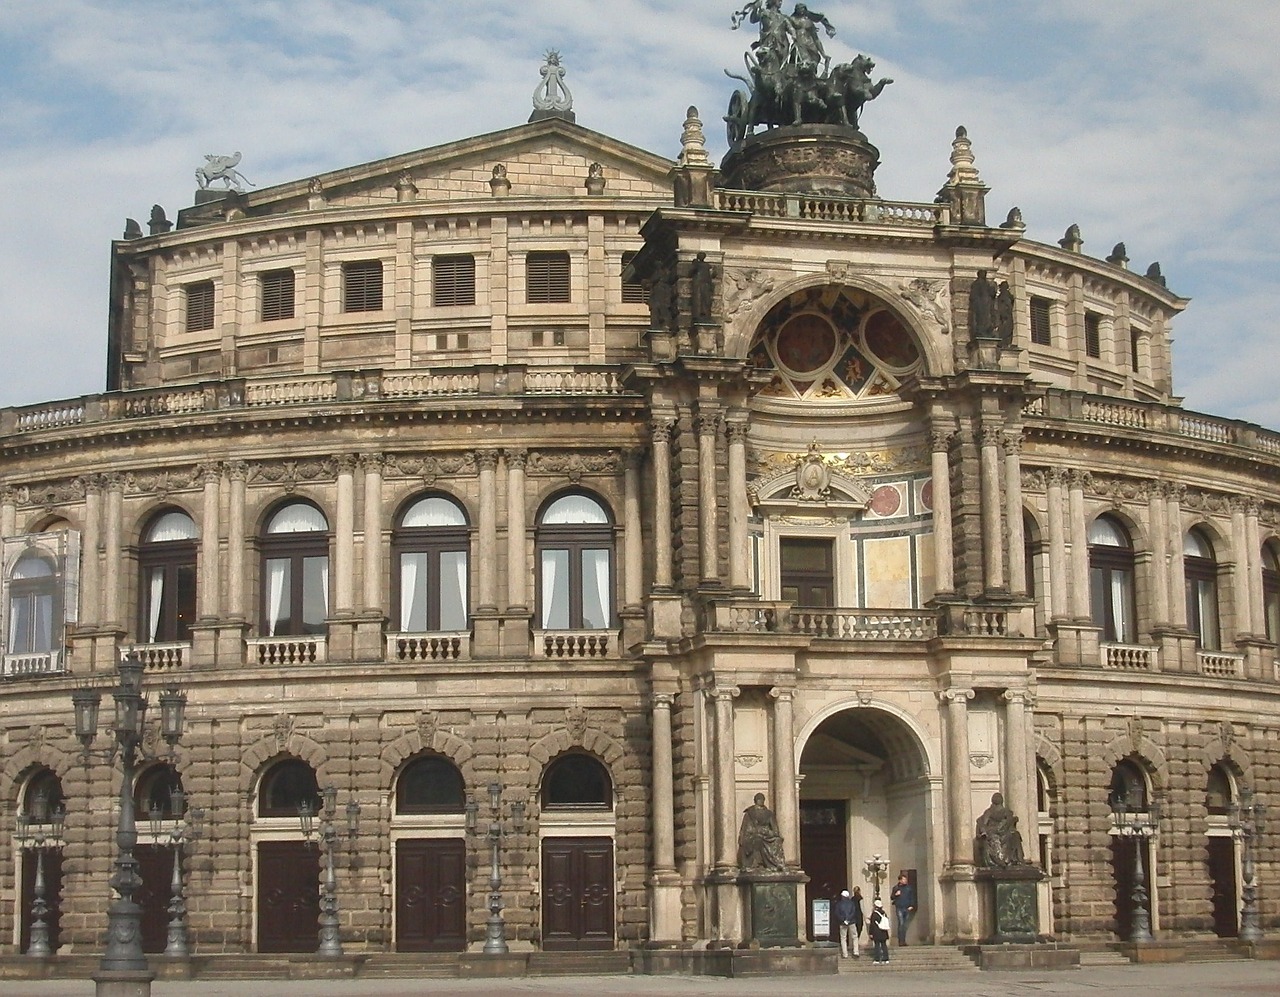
(633,292)
(1134,365)
(1041,321)
(808,572)
(547,278)
(1093,335)
(362,286)
(277,295)
(453,280)
(200,306)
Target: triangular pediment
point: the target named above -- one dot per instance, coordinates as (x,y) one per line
(543,159)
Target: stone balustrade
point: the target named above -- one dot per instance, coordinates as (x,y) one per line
(286,650)
(556,644)
(844,624)
(1130,657)
(833,209)
(1219,664)
(33,665)
(166,657)
(429,646)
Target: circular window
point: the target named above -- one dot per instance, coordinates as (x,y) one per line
(805,344)
(889,342)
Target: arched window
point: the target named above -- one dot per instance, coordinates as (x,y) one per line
(295,571)
(1271,592)
(575,558)
(35,606)
(159,788)
(43,796)
(1218,792)
(430,546)
(430,785)
(1201,571)
(577,781)
(1128,787)
(167,582)
(1111,580)
(285,786)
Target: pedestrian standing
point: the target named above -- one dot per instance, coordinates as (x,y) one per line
(857,920)
(903,898)
(878,931)
(844,911)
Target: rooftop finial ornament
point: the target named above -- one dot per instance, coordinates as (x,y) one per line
(221,168)
(551,97)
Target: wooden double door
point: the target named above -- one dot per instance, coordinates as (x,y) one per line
(1222,878)
(431,895)
(577,894)
(824,856)
(288,896)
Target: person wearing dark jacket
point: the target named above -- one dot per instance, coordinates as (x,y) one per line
(878,932)
(903,898)
(848,914)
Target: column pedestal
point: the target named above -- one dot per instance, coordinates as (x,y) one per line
(1010,904)
(772,909)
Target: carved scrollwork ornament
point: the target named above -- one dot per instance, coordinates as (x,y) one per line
(744,286)
(940,440)
(1012,442)
(1034,479)
(517,458)
(486,460)
(427,723)
(575,722)
(237,470)
(660,430)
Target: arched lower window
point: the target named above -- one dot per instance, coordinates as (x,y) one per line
(1218,791)
(158,788)
(285,786)
(35,605)
(1201,571)
(295,572)
(430,785)
(430,546)
(1128,787)
(1271,592)
(167,582)
(577,781)
(1111,580)
(43,796)
(575,559)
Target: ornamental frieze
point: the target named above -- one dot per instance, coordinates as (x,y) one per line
(930,298)
(51,495)
(574,465)
(290,473)
(863,462)
(163,483)
(744,285)
(432,467)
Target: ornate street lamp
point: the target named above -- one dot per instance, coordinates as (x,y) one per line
(495,932)
(184,825)
(37,831)
(874,869)
(123,968)
(1247,818)
(1140,825)
(330,932)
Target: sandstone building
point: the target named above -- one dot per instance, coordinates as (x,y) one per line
(633,488)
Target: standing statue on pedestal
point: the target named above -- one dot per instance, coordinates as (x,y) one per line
(982,307)
(759,840)
(999,841)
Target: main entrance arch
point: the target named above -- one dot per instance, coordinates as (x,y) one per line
(865,792)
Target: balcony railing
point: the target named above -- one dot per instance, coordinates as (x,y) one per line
(1130,657)
(846,624)
(160,657)
(555,644)
(848,210)
(1220,664)
(429,646)
(285,650)
(34,665)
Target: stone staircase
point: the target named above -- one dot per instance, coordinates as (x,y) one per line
(912,959)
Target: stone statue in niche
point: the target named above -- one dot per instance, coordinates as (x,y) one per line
(1004,314)
(999,840)
(982,307)
(662,300)
(702,288)
(759,840)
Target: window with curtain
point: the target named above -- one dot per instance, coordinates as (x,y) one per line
(430,550)
(295,572)
(575,565)
(35,606)
(1271,592)
(430,785)
(1111,580)
(167,578)
(1201,571)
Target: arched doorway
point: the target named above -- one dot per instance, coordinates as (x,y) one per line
(1220,848)
(1134,818)
(288,868)
(865,793)
(428,828)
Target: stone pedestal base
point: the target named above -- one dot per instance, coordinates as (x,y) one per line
(123,983)
(803,159)
(772,908)
(1010,904)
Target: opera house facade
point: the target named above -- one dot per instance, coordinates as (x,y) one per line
(522,507)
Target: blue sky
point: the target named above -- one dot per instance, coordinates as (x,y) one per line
(1153,122)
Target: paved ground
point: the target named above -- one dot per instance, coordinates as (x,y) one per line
(1190,979)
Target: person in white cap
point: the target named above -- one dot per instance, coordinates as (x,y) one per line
(878,930)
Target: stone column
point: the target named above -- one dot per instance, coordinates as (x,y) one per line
(486,574)
(1081,608)
(344,538)
(632,538)
(783,773)
(1059,583)
(1177,567)
(9,512)
(1159,557)
(708,426)
(992,533)
(739,504)
(517,568)
(943,555)
(1018,761)
(724,780)
(1013,511)
(1253,545)
(664,914)
(371,595)
(1240,595)
(661,435)
(238,472)
(210,531)
(111,609)
(955,704)
(90,573)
